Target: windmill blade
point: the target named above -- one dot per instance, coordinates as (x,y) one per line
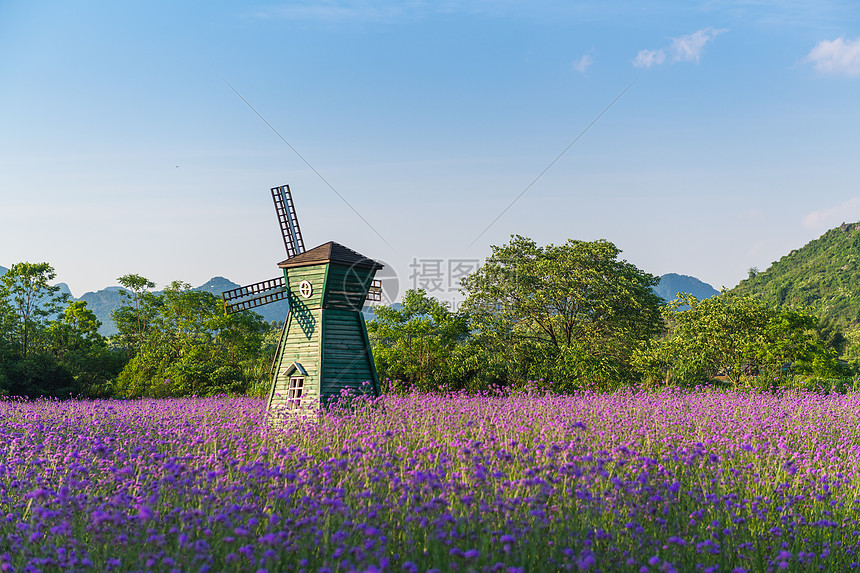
(254,295)
(288,220)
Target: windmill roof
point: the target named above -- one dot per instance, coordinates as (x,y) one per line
(330,252)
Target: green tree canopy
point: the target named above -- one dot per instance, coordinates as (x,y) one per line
(185,344)
(822,278)
(416,345)
(33,301)
(76,344)
(133,319)
(571,314)
(47,349)
(740,338)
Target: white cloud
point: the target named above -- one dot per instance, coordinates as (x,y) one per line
(684,49)
(648,58)
(582,63)
(837,57)
(849,211)
(689,48)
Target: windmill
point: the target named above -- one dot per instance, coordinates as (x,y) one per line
(324,348)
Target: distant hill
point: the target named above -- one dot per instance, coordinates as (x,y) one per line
(671,284)
(823,276)
(273,312)
(217,285)
(105,301)
(102,303)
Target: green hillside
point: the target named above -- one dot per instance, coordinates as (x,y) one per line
(824,276)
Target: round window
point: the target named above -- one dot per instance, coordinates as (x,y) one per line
(306,289)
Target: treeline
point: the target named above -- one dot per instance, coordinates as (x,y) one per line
(173,343)
(562,317)
(574,316)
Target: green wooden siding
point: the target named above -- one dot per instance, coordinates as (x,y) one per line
(315,275)
(326,334)
(346,287)
(304,348)
(334,285)
(347,360)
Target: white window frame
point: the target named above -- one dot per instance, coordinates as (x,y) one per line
(295,390)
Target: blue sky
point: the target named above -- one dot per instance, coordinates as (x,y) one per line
(124,150)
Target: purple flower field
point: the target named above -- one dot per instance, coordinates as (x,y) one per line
(642,482)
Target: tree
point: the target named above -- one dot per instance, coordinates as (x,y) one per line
(740,338)
(32,300)
(6,352)
(571,314)
(77,345)
(39,374)
(28,309)
(77,326)
(188,347)
(8,322)
(415,345)
(133,320)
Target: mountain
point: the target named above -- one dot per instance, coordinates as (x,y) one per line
(64,289)
(823,276)
(105,301)
(671,284)
(217,285)
(272,312)
(102,303)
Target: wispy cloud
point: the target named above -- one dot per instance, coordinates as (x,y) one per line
(830,217)
(582,63)
(648,58)
(687,48)
(836,57)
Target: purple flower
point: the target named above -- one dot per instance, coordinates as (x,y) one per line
(144,513)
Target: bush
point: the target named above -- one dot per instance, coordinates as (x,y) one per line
(38,375)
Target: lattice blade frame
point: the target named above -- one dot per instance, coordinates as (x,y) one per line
(254,295)
(288,220)
(375,292)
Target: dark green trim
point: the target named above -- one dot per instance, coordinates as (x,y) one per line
(369,355)
(279,356)
(324,292)
(322,354)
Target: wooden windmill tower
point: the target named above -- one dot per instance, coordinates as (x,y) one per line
(324,347)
